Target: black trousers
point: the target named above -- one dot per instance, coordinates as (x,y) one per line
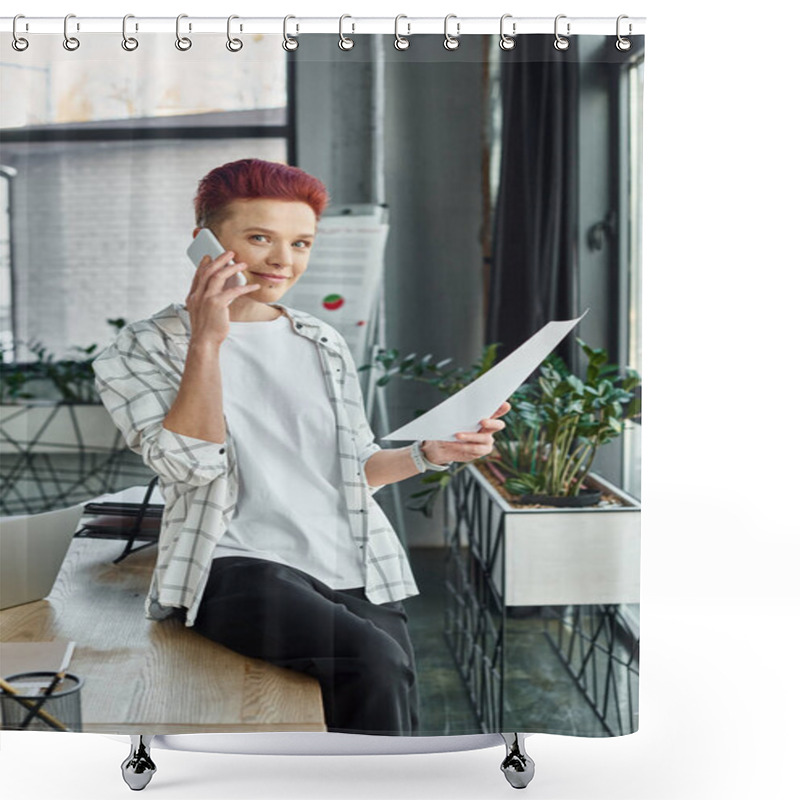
(359,651)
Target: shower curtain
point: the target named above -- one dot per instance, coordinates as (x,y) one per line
(472,195)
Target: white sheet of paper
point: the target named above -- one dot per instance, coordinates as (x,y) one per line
(464,410)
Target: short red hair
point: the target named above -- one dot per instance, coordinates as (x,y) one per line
(254,178)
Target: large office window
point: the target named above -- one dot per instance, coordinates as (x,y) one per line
(104,154)
(581,154)
(635,86)
(6,343)
(631,265)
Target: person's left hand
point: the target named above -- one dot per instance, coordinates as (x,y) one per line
(469,445)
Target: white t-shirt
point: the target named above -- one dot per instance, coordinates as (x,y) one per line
(291,506)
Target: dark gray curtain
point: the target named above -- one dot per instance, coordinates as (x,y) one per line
(534,249)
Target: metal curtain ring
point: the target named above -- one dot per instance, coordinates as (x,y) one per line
(182,42)
(622,43)
(70,42)
(561,43)
(507,42)
(344,42)
(400,42)
(451,42)
(289,42)
(234,45)
(19,43)
(128,42)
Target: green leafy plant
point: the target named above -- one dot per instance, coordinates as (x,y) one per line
(72,379)
(554,427)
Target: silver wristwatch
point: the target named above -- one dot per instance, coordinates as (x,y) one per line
(422,463)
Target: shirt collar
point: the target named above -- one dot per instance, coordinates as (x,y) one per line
(174,320)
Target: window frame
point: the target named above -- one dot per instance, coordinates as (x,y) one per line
(628,250)
(134,130)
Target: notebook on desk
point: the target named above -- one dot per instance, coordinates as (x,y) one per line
(32,549)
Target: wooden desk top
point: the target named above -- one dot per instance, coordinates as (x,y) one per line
(142,676)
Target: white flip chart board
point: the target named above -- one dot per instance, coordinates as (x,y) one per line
(344,274)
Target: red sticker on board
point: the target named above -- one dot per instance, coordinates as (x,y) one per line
(333,301)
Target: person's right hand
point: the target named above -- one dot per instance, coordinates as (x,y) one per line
(207,301)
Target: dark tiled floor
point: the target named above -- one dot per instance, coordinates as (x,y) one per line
(541,696)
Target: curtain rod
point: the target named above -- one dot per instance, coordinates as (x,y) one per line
(296,26)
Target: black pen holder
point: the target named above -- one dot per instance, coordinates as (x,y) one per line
(31,709)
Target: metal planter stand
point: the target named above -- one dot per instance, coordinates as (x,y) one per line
(600,649)
(475,610)
(596,642)
(57,454)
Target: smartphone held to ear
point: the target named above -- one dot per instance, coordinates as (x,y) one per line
(206,244)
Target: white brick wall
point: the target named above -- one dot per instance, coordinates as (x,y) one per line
(100,231)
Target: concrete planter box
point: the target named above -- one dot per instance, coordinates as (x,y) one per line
(555,556)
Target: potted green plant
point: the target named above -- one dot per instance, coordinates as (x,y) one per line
(50,405)
(553,430)
(570,535)
(49,379)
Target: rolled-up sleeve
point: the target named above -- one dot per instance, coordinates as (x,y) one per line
(366,446)
(137,389)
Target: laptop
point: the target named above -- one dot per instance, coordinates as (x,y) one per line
(32,550)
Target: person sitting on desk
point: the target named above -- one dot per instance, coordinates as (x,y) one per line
(253,417)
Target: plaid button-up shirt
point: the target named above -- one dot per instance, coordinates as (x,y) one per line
(138,376)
